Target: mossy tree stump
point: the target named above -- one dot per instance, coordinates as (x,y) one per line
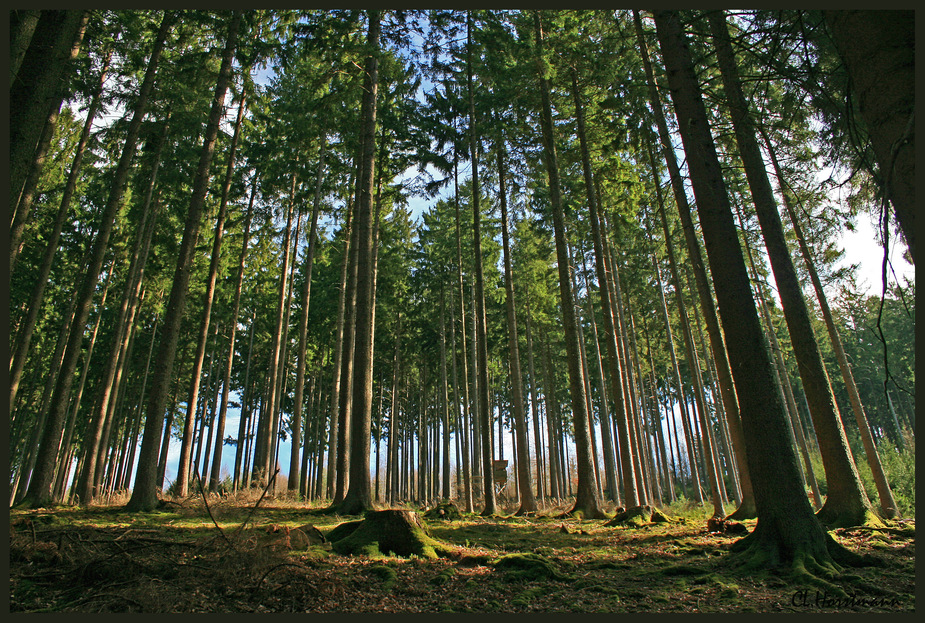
(396,532)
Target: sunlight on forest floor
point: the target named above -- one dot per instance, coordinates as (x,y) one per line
(102,559)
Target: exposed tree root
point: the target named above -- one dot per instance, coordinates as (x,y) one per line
(805,556)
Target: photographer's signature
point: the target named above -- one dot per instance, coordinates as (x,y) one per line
(806,598)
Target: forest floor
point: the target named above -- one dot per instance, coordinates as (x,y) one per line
(102,559)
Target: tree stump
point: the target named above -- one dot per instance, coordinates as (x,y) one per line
(396,532)
(444,510)
(635,516)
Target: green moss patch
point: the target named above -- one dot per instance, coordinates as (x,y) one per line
(526,567)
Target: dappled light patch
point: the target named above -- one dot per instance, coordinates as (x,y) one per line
(179,562)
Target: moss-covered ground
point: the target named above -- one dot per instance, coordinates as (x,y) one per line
(101,559)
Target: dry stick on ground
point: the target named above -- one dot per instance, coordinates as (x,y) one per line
(209,510)
(253,510)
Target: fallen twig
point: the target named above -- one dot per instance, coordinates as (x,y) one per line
(209,510)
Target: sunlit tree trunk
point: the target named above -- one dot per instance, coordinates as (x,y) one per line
(144,494)
(887,503)
(787,530)
(481,345)
(586,502)
(40,492)
(525,488)
(293,482)
(746,509)
(358,497)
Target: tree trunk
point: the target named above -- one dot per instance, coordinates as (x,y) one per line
(878,49)
(303,323)
(22,28)
(144,495)
(51,247)
(586,501)
(466,428)
(846,503)
(35,99)
(40,488)
(333,440)
(527,501)
(93,436)
(610,341)
(481,340)
(787,531)
(887,503)
(746,508)
(358,497)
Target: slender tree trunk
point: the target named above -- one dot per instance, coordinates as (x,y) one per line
(525,488)
(746,509)
(467,428)
(24,338)
(303,323)
(481,345)
(444,399)
(586,502)
(616,388)
(693,365)
(94,437)
(333,441)
(144,494)
(534,406)
(887,503)
(40,492)
(358,497)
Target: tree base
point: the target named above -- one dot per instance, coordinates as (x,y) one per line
(586,512)
(746,510)
(809,557)
(832,517)
(395,532)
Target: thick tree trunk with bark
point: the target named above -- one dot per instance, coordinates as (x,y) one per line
(36,95)
(846,503)
(358,497)
(746,508)
(787,530)
(878,49)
